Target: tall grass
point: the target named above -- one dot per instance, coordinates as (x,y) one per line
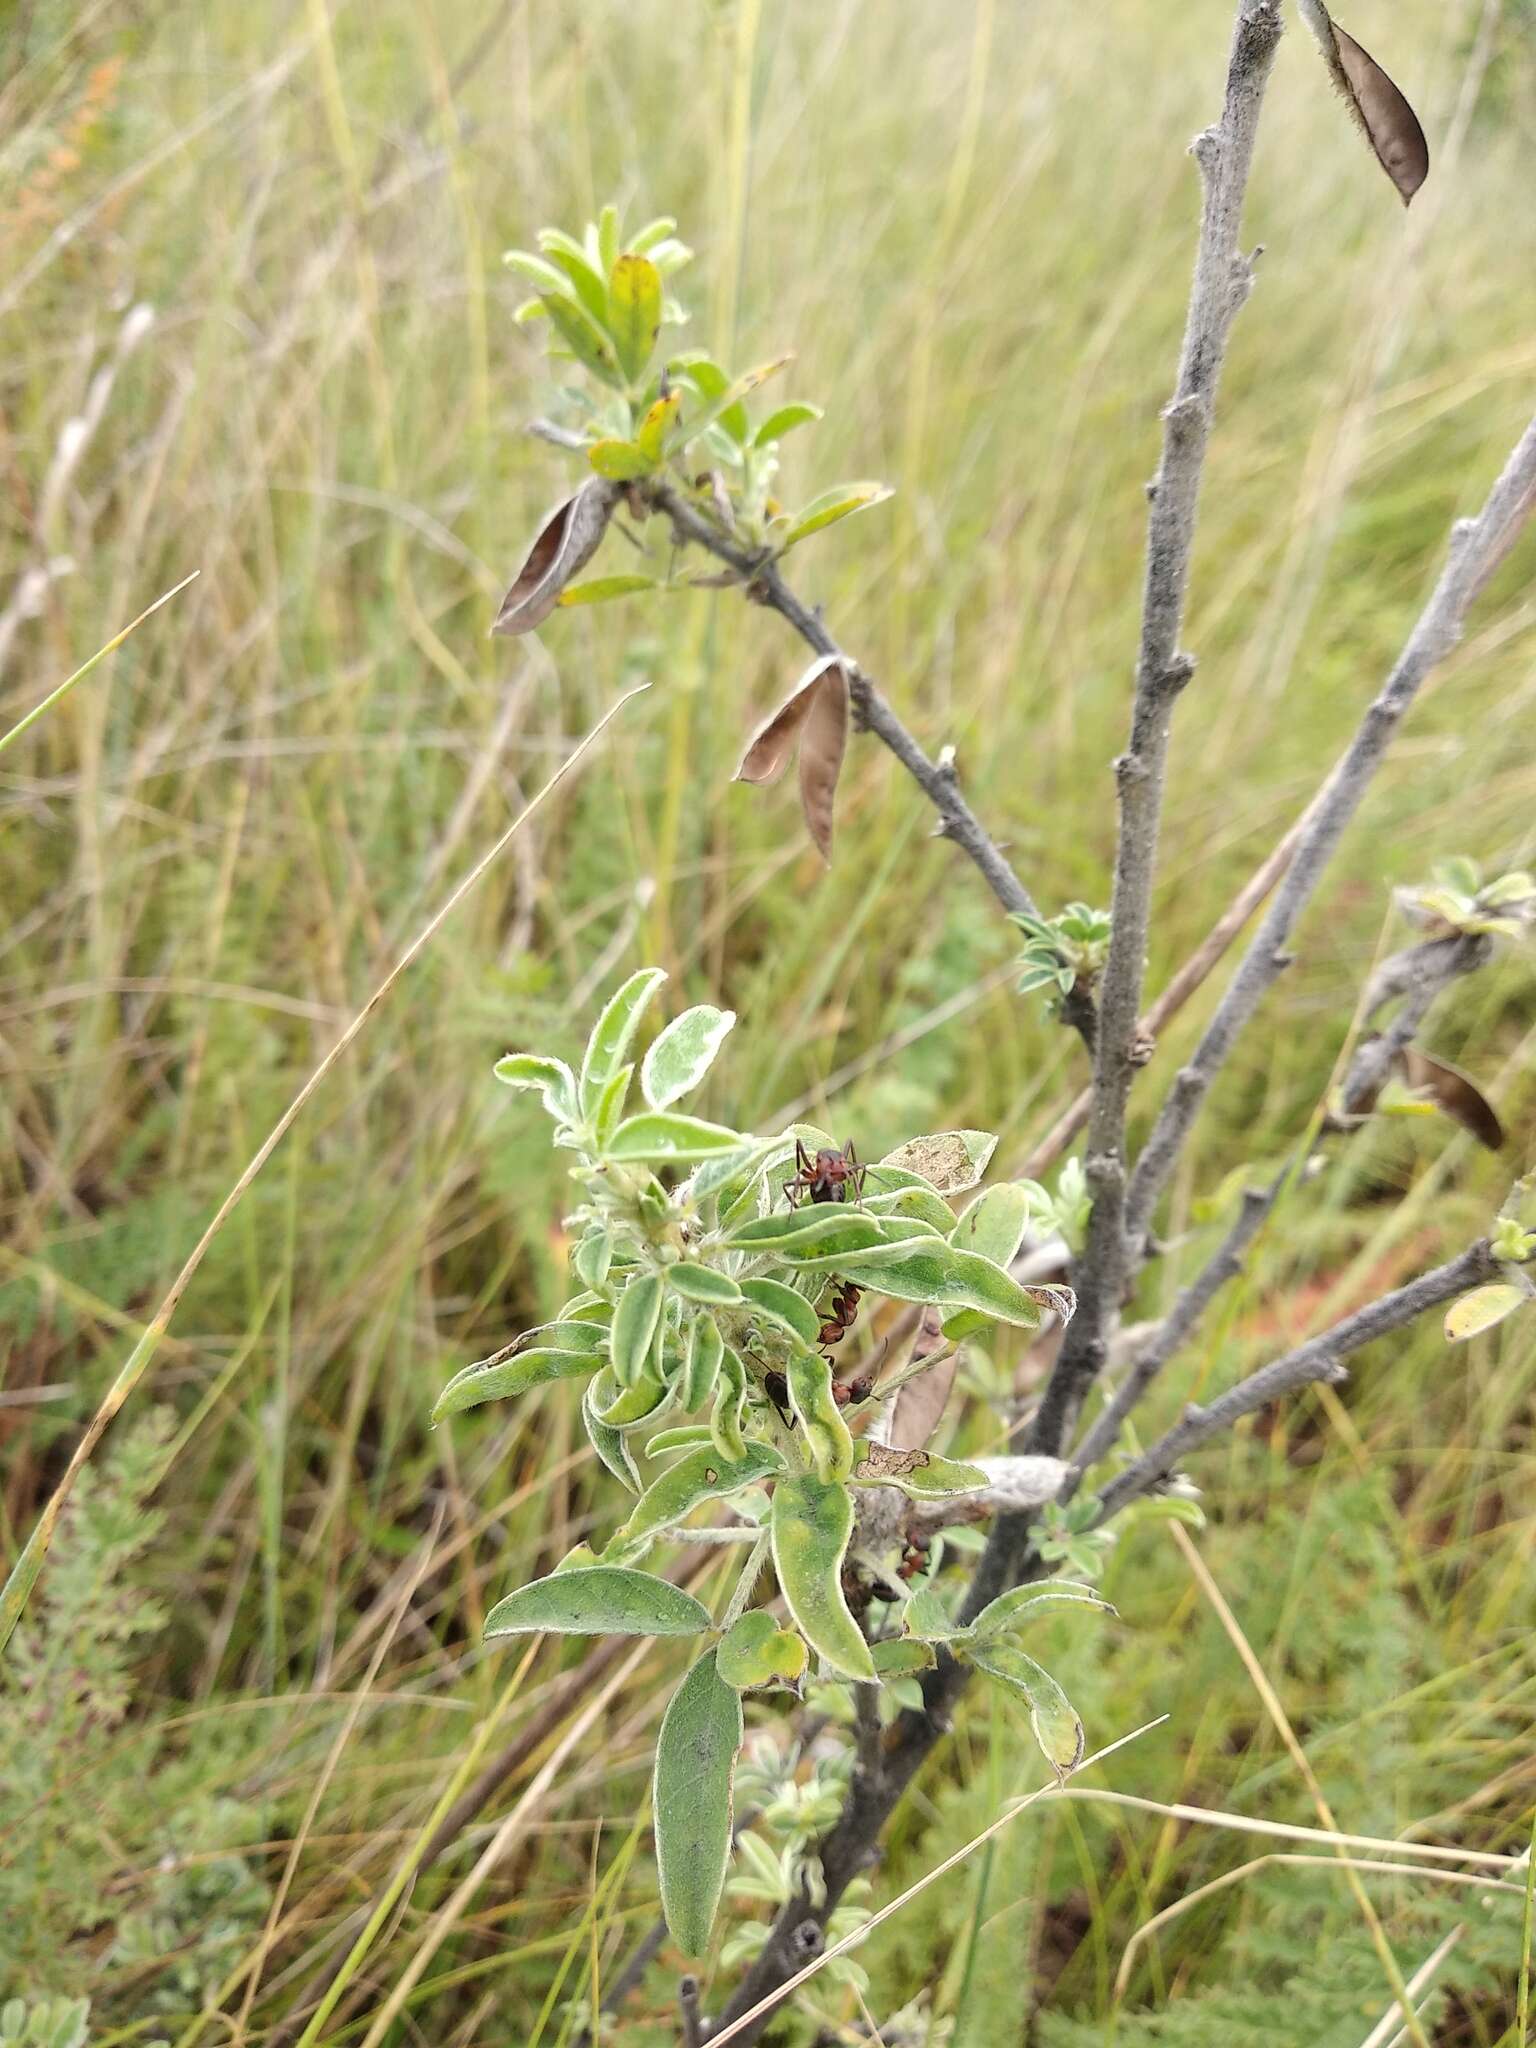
(973,224)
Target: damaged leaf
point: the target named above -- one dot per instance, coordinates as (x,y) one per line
(1379,109)
(950,1161)
(565,543)
(814,717)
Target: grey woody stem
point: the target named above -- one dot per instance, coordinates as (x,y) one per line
(1174,1331)
(1222,281)
(1477,548)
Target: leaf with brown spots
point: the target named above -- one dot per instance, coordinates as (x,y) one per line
(1379,109)
(563,546)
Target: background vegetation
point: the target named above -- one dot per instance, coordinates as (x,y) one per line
(230,1714)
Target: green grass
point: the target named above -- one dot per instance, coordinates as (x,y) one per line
(973,224)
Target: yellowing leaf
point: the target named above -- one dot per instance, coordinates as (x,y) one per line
(621,460)
(756,1651)
(603,589)
(634,300)
(1482,1308)
(810,1526)
(651,436)
(833,505)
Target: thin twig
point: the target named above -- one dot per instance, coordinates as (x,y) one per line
(1189,978)
(1477,547)
(1174,1331)
(938,780)
(1222,281)
(1321,1358)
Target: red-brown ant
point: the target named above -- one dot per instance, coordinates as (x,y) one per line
(826,1178)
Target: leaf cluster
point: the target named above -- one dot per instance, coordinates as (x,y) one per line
(700,1337)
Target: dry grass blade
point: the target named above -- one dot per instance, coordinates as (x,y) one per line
(563,546)
(1282,1725)
(1377,1866)
(861,1934)
(1379,108)
(23,1574)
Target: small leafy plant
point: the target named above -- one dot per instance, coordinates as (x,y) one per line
(643,417)
(1062,951)
(716,1270)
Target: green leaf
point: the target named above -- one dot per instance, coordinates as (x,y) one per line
(926,1617)
(781,1305)
(503,1378)
(703,1283)
(825,1233)
(609,1443)
(592,1258)
(635,1323)
(610,1104)
(598,1600)
(809,1377)
(664,1135)
(701,1367)
(582,335)
(699,1475)
(613,1032)
(918,1474)
(687,1436)
(696,1752)
(1021,1605)
(950,1161)
(569,257)
(833,505)
(901,1656)
(654,231)
(810,1527)
(634,300)
(1057,1729)
(756,1651)
(622,1407)
(622,461)
(692,425)
(995,1223)
(605,589)
(549,277)
(552,1078)
(1482,1309)
(730,1405)
(939,1275)
(683,1054)
(785,420)
(608,237)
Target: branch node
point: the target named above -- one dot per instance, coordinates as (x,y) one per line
(807,1941)
(1141,1047)
(1184,414)
(1130,768)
